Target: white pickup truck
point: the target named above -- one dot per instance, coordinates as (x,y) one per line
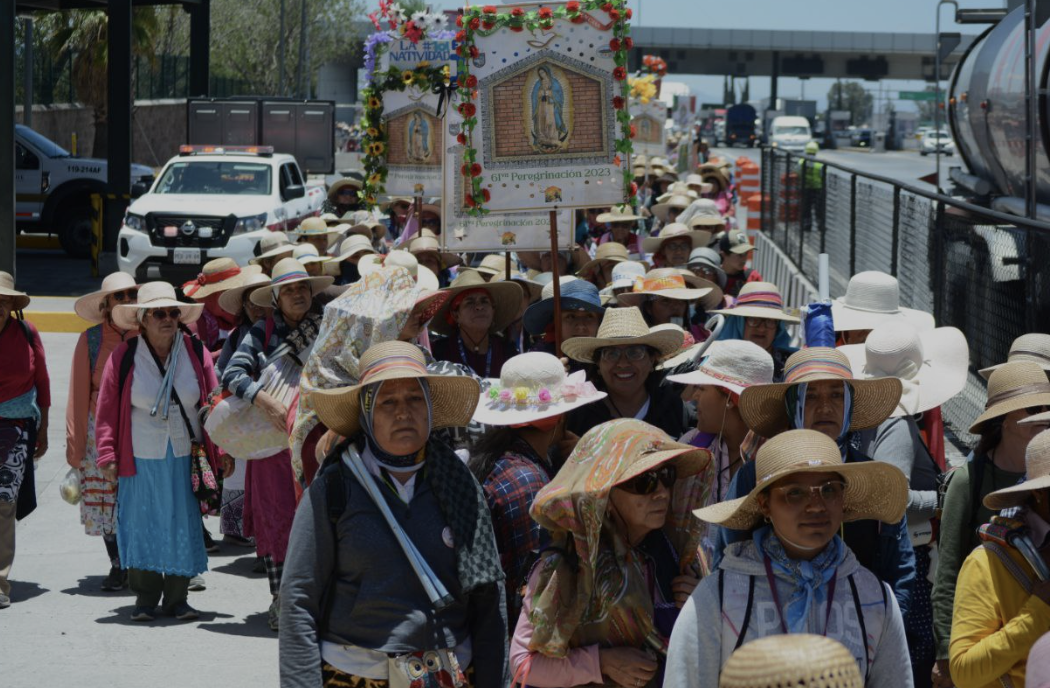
(53,189)
(212,202)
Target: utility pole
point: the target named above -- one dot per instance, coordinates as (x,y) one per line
(937,81)
(300,71)
(1031,89)
(282,83)
(27,76)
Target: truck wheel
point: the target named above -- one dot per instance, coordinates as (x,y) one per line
(73,226)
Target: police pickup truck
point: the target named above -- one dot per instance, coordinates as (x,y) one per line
(213,202)
(53,189)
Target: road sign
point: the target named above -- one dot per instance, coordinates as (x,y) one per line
(917,95)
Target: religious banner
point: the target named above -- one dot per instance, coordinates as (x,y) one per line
(649,120)
(543,95)
(409,82)
(684,111)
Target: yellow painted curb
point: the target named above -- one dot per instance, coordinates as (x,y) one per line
(38,241)
(56,321)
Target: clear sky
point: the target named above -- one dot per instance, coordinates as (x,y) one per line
(883,16)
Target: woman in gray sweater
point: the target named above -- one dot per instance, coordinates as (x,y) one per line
(354,612)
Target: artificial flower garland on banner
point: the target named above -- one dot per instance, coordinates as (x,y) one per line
(488,19)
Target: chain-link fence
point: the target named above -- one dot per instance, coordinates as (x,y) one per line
(984,272)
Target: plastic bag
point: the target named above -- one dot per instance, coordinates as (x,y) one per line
(69,488)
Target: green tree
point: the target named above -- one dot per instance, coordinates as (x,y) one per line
(853,97)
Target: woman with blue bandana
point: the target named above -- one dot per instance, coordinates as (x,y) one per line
(795,574)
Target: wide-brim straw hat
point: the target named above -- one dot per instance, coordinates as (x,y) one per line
(430,244)
(680,201)
(272,245)
(677,189)
(670,283)
(89,306)
(872,298)
(424,277)
(532,259)
(875,490)
(333,190)
(609,252)
(452,397)
(232,300)
(1014,386)
(763,409)
(495,264)
(933,366)
(759,300)
(372,229)
(533,386)
(7,288)
(1037,476)
(506,302)
(618,213)
(155,295)
(308,253)
(216,276)
(1034,346)
(622,327)
(791,660)
(349,246)
(731,365)
(676,230)
(331,219)
(315,226)
(288,271)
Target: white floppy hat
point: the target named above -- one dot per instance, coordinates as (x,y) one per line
(7,288)
(932,365)
(155,295)
(288,271)
(871,298)
(232,300)
(89,306)
(349,246)
(676,230)
(624,274)
(1034,346)
(732,365)
(271,245)
(533,386)
(424,276)
(308,253)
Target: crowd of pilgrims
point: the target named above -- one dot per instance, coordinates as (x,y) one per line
(453,504)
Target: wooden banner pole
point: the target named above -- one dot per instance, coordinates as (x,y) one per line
(557,282)
(506,258)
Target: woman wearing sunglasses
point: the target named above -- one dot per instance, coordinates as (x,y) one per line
(98,496)
(603,597)
(625,354)
(795,574)
(147,424)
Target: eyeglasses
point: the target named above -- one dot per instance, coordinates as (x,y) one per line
(647,483)
(633,353)
(161,314)
(759,323)
(126,295)
(798,495)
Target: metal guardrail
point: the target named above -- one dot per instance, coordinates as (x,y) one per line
(984,272)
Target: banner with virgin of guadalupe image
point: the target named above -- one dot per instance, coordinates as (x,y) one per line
(543,98)
(649,121)
(414,145)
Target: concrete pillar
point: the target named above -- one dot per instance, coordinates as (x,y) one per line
(7,137)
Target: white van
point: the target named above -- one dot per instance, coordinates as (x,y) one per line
(790,133)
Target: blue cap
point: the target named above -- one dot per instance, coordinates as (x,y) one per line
(577,295)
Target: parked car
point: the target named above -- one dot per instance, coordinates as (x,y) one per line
(933,140)
(212,202)
(861,138)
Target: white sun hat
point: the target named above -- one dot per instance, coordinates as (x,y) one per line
(624,274)
(872,298)
(1034,346)
(1037,476)
(155,295)
(733,365)
(533,386)
(287,271)
(89,306)
(932,366)
(424,276)
(308,253)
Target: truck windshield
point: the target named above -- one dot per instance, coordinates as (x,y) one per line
(791,131)
(41,143)
(208,177)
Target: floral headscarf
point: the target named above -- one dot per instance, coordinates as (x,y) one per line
(596,586)
(373,310)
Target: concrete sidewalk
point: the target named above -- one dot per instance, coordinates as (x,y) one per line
(62,630)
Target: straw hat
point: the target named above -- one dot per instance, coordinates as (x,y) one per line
(217,276)
(732,365)
(232,300)
(425,244)
(763,409)
(791,660)
(874,489)
(702,213)
(331,219)
(452,398)
(734,241)
(675,230)
(1013,386)
(271,245)
(618,213)
(1034,346)
(307,253)
(1036,472)
(288,271)
(89,306)
(153,295)
(677,189)
(576,295)
(371,229)
(759,300)
(708,258)
(7,288)
(932,366)
(622,327)
(350,246)
(315,226)
(670,283)
(494,264)
(625,274)
(354,184)
(506,301)
(680,201)
(698,181)
(610,251)
(424,277)
(872,298)
(533,386)
(716,178)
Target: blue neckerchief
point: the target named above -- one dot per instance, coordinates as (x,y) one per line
(810,578)
(22,406)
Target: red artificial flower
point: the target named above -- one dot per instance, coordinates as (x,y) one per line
(619,73)
(516,27)
(545,13)
(473,51)
(489,9)
(647,60)
(607,7)
(614,15)
(628,43)
(467,109)
(461,50)
(578,18)
(471,81)
(469,201)
(634,189)
(628,13)
(618,102)
(485,195)
(459,20)
(461,138)
(614,44)
(631,135)
(517,12)
(487,25)
(475,169)
(572,6)
(413,32)
(474,24)
(461,36)
(617,160)
(464,170)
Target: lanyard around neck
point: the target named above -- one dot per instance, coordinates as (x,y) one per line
(776,597)
(488,355)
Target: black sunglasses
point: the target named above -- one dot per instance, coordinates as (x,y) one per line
(161,314)
(126,295)
(647,482)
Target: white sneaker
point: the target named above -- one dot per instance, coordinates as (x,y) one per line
(5,601)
